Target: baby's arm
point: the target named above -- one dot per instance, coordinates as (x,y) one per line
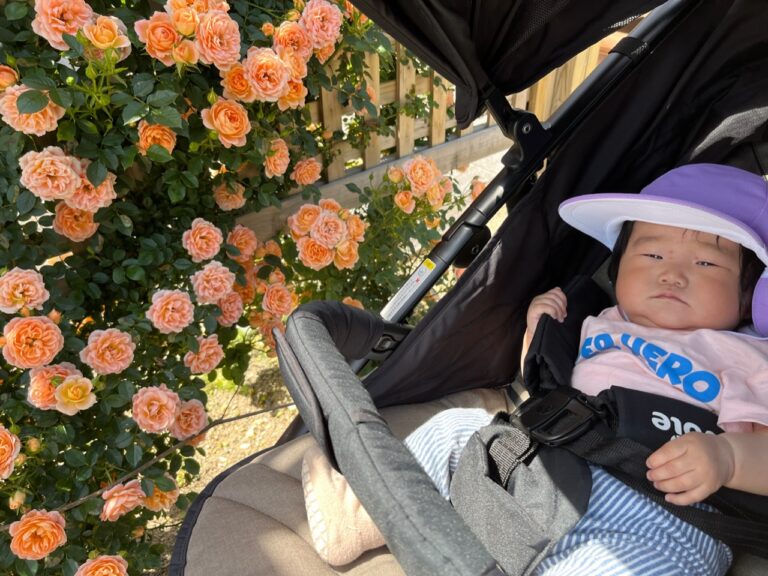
(695,465)
(554,303)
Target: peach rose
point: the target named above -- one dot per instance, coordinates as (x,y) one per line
(77,225)
(88,198)
(432,223)
(294,96)
(395,174)
(322,20)
(108,351)
(231,307)
(301,222)
(244,239)
(37,123)
(185,52)
(230,121)
(267,29)
(436,196)
(160,500)
(236,84)
(276,276)
(202,241)
(74,394)
(296,63)
(190,420)
(31,342)
(50,174)
(313,254)
(353,302)
(43,382)
(324,53)
(155,134)
(17,500)
(270,248)
(218,39)
(277,300)
(247,291)
(121,499)
(159,35)
(422,173)
(22,289)
(54,18)
(104,566)
(346,255)
(108,32)
(330,205)
(171,311)
(229,196)
(477,187)
(212,283)
(185,20)
(405,201)
(155,408)
(10,446)
(356,228)
(306,172)
(328,229)
(278,158)
(268,74)
(292,36)
(8,76)
(207,357)
(37,534)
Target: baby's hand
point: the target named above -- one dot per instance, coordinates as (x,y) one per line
(691,467)
(553,303)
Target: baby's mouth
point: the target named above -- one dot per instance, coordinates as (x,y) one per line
(668,296)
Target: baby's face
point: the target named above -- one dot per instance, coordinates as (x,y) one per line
(679,279)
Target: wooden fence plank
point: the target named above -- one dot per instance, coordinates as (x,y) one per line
(438,113)
(331,110)
(406,80)
(372,152)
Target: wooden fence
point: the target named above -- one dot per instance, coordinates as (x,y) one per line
(448,149)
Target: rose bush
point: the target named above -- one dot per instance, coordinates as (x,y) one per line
(131,136)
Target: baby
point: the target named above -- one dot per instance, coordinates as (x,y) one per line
(689,259)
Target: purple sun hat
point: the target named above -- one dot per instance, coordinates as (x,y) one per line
(722,200)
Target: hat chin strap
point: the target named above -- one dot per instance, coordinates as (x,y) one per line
(760,305)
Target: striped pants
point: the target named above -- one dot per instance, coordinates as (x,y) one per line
(623,533)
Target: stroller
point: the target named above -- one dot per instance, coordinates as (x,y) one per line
(690,84)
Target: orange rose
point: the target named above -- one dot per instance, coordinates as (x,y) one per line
(346,255)
(229,196)
(212,283)
(353,13)
(121,499)
(108,351)
(354,302)
(207,357)
(37,123)
(190,420)
(267,29)
(306,172)
(231,307)
(477,187)
(43,381)
(171,311)
(322,20)
(88,198)
(159,35)
(31,342)
(436,196)
(422,173)
(356,228)
(108,32)
(74,394)
(313,254)
(395,174)
(277,300)
(323,54)
(302,221)
(37,534)
(8,76)
(244,239)
(405,201)
(155,134)
(328,229)
(278,158)
(294,96)
(432,223)
(229,119)
(270,247)
(77,225)
(10,446)
(160,500)
(22,289)
(202,241)
(236,84)
(155,408)
(292,36)
(185,20)
(268,74)
(330,205)
(104,566)
(218,39)
(54,18)
(185,53)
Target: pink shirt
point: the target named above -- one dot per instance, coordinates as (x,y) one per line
(725,372)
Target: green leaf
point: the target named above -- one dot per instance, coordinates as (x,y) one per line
(136,273)
(123,439)
(165,484)
(182,264)
(133,455)
(210,323)
(31,101)
(96,173)
(25,202)
(192,466)
(176,192)
(73,44)
(143,84)
(16,10)
(118,275)
(147,486)
(87,126)
(167,117)
(65,132)
(134,112)
(74,458)
(162,98)
(158,154)
(37,80)
(69,567)
(26,567)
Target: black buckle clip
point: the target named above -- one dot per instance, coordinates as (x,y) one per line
(557,417)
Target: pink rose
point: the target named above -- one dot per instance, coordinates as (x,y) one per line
(108,351)
(328,229)
(202,241)
(190,421)
(231,307)
(171,311)
(121,499)
(155,408)
(54,18)
(88,198)
(50,174)
(244,239)
(37,123)
(322,20)
(43,382)
(22,289)
(212,283)
(218,39)
(267,73)
(207,357)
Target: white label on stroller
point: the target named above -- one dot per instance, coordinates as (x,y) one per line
(407,290)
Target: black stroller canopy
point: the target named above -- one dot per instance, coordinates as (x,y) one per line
(482,45)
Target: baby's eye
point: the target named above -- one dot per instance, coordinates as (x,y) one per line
(653,256)
(705,264)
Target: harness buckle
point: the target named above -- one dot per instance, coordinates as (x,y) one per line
(557,417)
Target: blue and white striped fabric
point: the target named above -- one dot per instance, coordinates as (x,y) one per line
(623,533)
